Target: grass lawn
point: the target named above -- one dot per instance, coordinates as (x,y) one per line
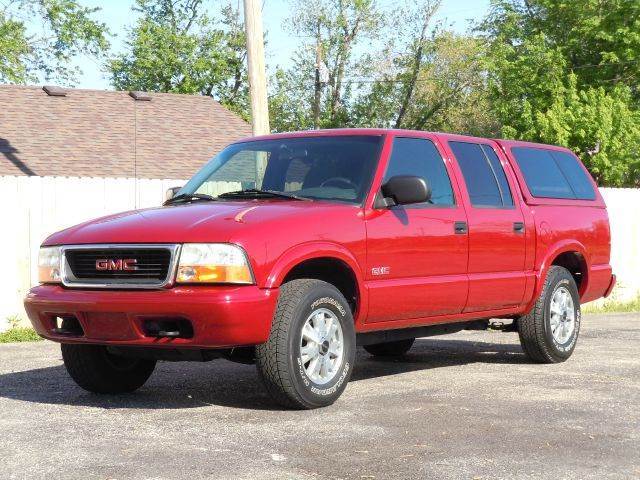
(19,334)
(613,306)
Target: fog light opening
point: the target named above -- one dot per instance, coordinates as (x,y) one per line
(67,325)
(165,327)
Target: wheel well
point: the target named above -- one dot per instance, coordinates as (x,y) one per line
(330,270)
(575,263)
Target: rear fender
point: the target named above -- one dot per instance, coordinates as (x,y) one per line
(556,249)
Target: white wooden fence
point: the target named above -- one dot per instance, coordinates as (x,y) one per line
(31,208)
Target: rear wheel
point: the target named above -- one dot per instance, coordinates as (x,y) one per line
(390,349)
(549,332)
(308,359)
(95,369)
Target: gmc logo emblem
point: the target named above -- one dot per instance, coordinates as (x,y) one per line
(126,264)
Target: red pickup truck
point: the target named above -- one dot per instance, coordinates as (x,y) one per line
(290,250)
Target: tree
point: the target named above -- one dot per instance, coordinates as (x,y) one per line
(176,47)
(599,126)
(599,39)
(337,28)
(68,30)
(567,73)
(445,91)
(417,53)
(412,75)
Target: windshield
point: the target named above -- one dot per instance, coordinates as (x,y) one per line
(338,168)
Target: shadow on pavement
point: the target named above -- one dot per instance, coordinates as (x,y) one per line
(429,353)
(222,383)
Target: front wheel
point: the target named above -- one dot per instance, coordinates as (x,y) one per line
(95,369)
(308,358)
(549,332)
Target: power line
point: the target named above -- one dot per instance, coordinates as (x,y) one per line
(579,67)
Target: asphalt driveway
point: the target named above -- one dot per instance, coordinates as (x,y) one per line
(466,406)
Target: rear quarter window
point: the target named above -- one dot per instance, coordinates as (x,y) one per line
(553,174)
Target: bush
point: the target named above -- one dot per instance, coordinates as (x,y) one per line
(19,334)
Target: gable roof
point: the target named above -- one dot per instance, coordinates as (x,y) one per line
(110,134)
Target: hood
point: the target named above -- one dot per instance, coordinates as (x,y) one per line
(195,222)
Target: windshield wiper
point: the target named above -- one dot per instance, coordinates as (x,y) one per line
(189,197)
(255,193)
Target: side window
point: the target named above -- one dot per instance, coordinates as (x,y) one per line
(507,199)
(419,157)
(553,174)
(486,181)
(575,175)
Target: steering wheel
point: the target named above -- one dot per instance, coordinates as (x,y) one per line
(339,180)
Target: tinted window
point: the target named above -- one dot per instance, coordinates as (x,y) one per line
(507,199)
(479,175)
(578,180)
(419,157)
(552,174)
(338,168)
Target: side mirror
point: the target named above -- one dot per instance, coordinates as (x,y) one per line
(171,192)
(405,190)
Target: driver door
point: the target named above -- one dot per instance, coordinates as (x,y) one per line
(417,254)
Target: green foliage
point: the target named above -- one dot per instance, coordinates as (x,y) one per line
(383,69)
(567,73)
(605,34)
(450,92)
(68,30)
(290,104)
(599,126)
(612,306)
(335,30)
(176,47)
(17,333)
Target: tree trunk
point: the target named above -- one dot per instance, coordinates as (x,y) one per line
(342,57)
(430,9)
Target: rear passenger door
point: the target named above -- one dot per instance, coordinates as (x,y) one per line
(496,228)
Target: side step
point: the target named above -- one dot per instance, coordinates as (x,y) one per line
(370,338)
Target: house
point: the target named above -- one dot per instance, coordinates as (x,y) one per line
(69,155)
(53,131)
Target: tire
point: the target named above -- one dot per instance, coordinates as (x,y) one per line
(98,371)
(390,349)
(536,329)
(284,362)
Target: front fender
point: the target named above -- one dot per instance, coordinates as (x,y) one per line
(310,250)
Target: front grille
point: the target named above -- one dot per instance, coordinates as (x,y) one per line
(151,265)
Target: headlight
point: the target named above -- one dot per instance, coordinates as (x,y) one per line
(213,263)
(49,259)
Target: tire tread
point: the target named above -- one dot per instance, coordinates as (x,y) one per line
(87,366)
(272,357)
(531,327)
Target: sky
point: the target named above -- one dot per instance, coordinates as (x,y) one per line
(117,15)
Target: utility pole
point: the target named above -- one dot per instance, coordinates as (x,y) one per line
(255,62)
(318,85)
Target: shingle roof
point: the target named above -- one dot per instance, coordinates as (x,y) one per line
(109,134)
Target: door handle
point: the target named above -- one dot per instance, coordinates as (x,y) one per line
(460,228)
(518,227)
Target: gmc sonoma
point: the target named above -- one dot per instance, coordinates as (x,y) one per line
(290,250)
